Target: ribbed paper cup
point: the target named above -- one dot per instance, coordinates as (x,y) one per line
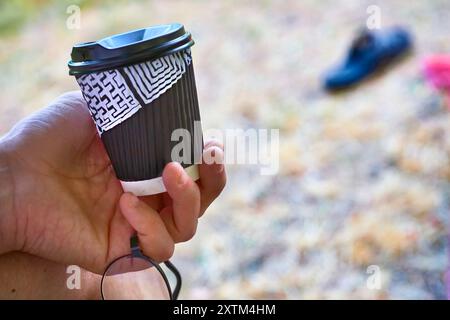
(140,90)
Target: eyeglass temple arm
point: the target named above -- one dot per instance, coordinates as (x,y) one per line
(136,251)
(175,271)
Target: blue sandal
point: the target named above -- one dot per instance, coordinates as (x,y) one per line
(369,52)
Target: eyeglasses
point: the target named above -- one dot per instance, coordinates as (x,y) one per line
(136,276)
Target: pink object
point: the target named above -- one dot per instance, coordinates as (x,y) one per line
(436,69)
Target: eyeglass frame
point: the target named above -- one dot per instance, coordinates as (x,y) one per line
(136,252)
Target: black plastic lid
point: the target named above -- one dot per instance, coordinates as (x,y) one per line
(128,48)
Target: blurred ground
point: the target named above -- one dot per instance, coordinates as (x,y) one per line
(364,176)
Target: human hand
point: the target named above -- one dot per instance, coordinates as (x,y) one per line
(63,202)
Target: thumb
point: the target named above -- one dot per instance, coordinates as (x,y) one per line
(154,239)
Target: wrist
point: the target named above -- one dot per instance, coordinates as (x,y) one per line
(7,217)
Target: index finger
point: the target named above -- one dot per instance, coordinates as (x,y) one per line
(181,217)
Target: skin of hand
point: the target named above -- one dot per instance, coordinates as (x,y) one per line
(60,199)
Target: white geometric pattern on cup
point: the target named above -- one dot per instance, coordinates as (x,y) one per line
(152,78)
(109,99)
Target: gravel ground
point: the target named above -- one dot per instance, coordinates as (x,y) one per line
(364,176)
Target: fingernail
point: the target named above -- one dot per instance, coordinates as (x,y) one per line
(181,178)
(218,159)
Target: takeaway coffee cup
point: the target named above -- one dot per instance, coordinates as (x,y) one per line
(140,90)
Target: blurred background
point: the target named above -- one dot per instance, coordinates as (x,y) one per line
(364,175)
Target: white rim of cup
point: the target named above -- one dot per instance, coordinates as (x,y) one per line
(155,185)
